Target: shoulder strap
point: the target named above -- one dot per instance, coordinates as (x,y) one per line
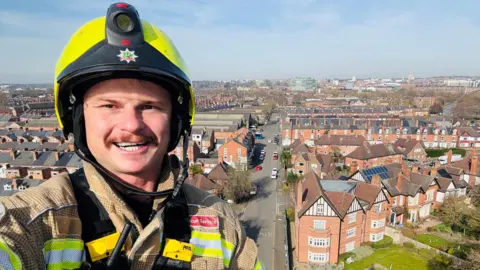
(95,220)
(94,217)
(176,226)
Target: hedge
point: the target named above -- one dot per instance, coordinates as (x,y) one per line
(387,241)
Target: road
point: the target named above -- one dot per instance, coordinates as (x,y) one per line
(263,216)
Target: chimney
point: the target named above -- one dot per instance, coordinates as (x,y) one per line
(473,168)
(399,181)
(41,141)
(35,155)
(366,144)
(57,155)
(12,154)
(449,156)
(437,164)
(433,172)
(300,193)
(354,167)
(415,168)
(405,170)
(14,184)
(376,180)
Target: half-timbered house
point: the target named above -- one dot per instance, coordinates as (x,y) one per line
(334,217)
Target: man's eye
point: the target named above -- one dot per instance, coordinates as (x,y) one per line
(108,106)
(148,107)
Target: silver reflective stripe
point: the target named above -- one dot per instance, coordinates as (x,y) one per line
(215,244)
(5,261)
(66,255)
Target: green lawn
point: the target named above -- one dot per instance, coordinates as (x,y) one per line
(399,257)
(440,152)
(432,240)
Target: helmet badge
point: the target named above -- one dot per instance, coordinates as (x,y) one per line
(127,56)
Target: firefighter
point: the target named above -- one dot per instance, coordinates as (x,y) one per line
(122,89)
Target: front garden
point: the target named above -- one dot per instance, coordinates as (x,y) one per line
(392,256)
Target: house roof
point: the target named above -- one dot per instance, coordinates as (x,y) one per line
(219,172)
(202,182)
(405,146)
(366,152)
(341,140)
(367,192)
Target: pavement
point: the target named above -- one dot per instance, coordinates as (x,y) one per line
(263,217)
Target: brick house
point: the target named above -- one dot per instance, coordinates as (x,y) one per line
(412,150)
(470,168)
(321,164)
(332,217)
(234,154)
(344,143)
(367,156)
(404,189)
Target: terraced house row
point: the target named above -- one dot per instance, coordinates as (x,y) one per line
(432,137)
(336,216)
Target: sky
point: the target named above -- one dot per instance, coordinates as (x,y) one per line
(264,39)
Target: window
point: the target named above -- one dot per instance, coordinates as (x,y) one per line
(378,208)
(317,257)
(313,166)
(318,242)
(7,187)
(225,151)
(352,217)
(395,201)
(378,223)
(375,237)
(350,246)
(319,224)
(320,209)
(239,151)
(351,232)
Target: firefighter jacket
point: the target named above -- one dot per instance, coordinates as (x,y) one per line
(40,227)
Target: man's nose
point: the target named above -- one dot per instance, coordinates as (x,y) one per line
(130,120)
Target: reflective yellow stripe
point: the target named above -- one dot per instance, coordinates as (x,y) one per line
(258,265)
(9,260)
(63,253)
(212,245)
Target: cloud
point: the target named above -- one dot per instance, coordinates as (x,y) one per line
(270,39)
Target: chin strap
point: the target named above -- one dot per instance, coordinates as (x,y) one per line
(132,190)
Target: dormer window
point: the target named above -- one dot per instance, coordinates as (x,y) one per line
(22,187)
(7,187)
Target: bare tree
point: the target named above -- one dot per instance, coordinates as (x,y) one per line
(238,186)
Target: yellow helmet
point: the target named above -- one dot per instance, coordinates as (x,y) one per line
(121,45)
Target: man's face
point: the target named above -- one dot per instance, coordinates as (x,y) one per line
(127,124)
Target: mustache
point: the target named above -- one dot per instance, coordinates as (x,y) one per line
(150,139)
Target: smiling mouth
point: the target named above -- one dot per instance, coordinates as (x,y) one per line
(131,146)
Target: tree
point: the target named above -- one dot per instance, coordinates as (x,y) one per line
(292,178)
(475,195)
(436,108)
(196,169)
(238,186)
(268,110)
(286,159)
(455,212)
(467,106)
(474,258)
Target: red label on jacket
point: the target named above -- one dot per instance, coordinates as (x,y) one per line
(204,221)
